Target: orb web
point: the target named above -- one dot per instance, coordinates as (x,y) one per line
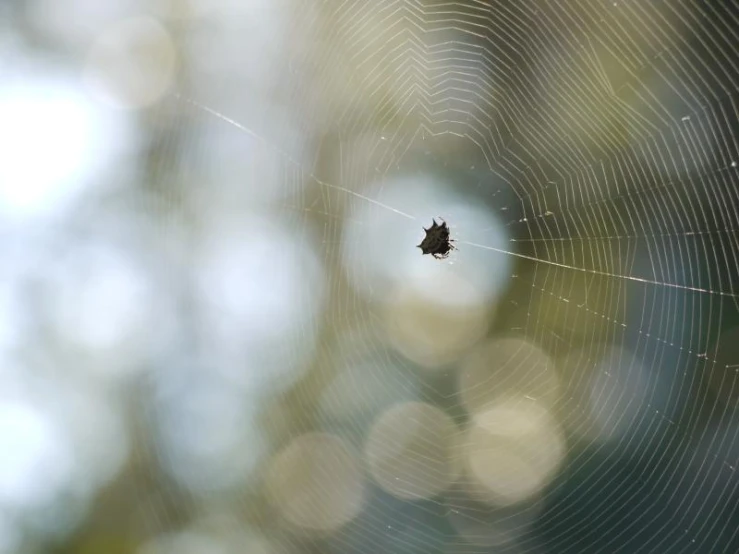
(565,382)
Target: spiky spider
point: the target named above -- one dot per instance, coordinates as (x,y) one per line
(437,241)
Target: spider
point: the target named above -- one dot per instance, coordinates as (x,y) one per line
(437,241)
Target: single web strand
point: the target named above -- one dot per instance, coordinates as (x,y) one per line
(602,273)
(311,175)
(287,156)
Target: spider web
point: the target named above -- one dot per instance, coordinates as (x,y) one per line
(565,382)
(584,156)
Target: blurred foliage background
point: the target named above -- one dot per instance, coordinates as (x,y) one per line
(217,334)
